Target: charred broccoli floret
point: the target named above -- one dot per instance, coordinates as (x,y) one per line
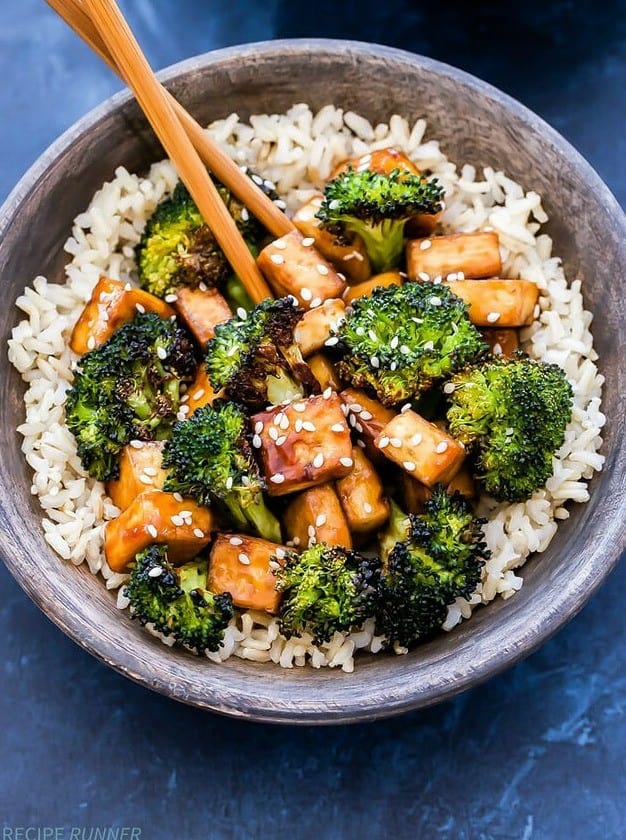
(376,207)
(401,339)
(428,561)
(325,589)
(175,600)
(257,359)
(178,249)
(513,413)
(128,388)
(209,458)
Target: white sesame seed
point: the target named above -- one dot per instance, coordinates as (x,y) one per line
(449,388)
(91,342)
(244,214)
(277,259)
(361,444)
(346,462)
(395,442)
(383,442)
(409,465)
(273,433)
(441,447)
(393,366)
(186,514)
(256,441)
(156,572)
(497,349)
(274,564)
(321,520)
(406,351)
(367,507)
(184,398)
(298,426)
(451,277)
(337,427)
(281,440)
(365,415)
(150,471)
(152,531)
(280,553)
(229,482)
(177,520)
(198,532)
(236,541)
(308,241)
(356,407)
(306,293)
(308,426)
(280,204)
(460,275)
(315,303)
(145,479)
(140,308)
(177,496)
(425,244)
(258,427)
(416,439)
(352,420)
(437,280)
(171,298)
(322,269)
(277,478)
(372,335)
(406,407)
(296,541)
(318,460)
(327,393)
(203,286)
(375,361)
(199,394)
(422,275)
(394,342)
(280,244)
(127,287)
(299,407)
(429,345)
(137,444)
(360,331)
(330,342)
(241,313)
(284,423)
(492,317)
(244,559)
(435,301)
(358,427)
(310,531)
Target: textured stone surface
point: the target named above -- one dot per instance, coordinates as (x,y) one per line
(537,752)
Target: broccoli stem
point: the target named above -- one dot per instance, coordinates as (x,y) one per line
(256,514)
(236,295)
(282,389)
(384,242)
(397,530)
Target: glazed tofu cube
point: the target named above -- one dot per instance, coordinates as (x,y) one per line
(199,393)
(201,310)
(303,444)
(292,266)
(362,496)
(367,417)
(501,342)
(471,254)
(140,470)
(387,278)
(314,329)
(503,303)
(315,516)
(112,305)
(383,161)
(415,494)
(157,517)
(242,565)
(351,259)
(324,371)
(421,448)
(423,224)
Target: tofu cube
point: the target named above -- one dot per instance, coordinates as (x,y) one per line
(324,371)
(387,278)
(303,444)
(421,448)
(112,305)
(472,254)
(350,259)
(242,565)
(157,517)
(362,496)
(292,266)
(315,326)
(415,494)
(315,516)
(201,310)
(502,303)
(383,161)
(502,342)
(367,417)
(140,470)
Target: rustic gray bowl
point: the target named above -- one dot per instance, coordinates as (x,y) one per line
(477,125)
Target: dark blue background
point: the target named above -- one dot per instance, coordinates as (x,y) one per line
(539,752)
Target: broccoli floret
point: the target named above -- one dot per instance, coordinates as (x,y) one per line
(176,601)
(376,207)
(178,249)
(429,560)
(401,339)
(326,589)
(209,458)
(257,359)
(513,413)
(128,388)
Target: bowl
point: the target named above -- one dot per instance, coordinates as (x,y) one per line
(477,124)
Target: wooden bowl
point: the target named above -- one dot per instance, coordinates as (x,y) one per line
(476,124)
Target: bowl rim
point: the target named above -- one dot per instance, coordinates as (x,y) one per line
(603,557)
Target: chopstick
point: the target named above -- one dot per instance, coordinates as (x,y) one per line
(259,204)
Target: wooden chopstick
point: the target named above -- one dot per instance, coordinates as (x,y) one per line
(217,160)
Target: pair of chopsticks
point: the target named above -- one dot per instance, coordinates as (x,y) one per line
(101,24)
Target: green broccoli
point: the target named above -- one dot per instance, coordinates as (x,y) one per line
(178,249)
(257,359)
(513,413)
(376,207)
(209,458)
(326,589)
(428,561)
(175,600)
(128,388)
(401,339)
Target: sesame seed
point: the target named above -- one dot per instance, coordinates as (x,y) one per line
(367,507)
(198,532)
(156,572)
(435,301)
(449,388)
(366,415)
(184,398)
(393,366)
(308,241)
(422,275)
(145,479)
(299,407)
(375,361)
(497,349)
(186,514)
(281,440)
(460,275)
(394,342)
(274,564)
(198,395)
(356,407)
(280,553)
(406,407)
(425,244)
(492,317)
(312,542)
(171,298)
(149,471)
(152,531)
(330,342)
(321,520)
(383,442)
(358,427)
(241,312)
(203,286)
(315,303)
(361,444)
(91,342)
(409,465)
(451,277)
(273,433)
(177,520)
(337,427)
(229,482)
(244,214)
(277,259)
(257,180)
(280,204)
(441,447)
(437,280)
(318,460)
(372,335)
(305,293)
(308,426)
(346,462)
(257,442)
(322,269)
(277,478)
(137,444)
(310,531)
(236,541)
(360,331)
(280,244)
(284,422)
(244,559)
(395,442)
(298,425)
(352,420)
(296,541)
(536,311)
(140,308)
(429,345)
(334,204)
(127,287)
(177,496)
(327,393)
(416,439)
